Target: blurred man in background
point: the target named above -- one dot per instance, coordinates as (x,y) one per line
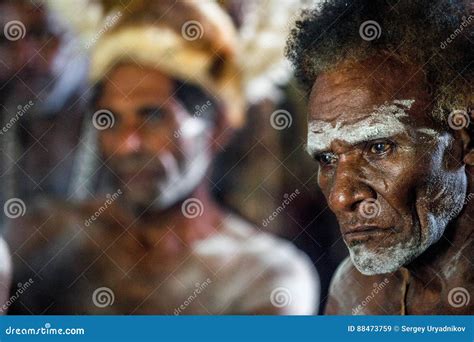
(42,76)
(164,103)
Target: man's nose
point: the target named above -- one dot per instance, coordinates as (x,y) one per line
(348,190)
(131,143)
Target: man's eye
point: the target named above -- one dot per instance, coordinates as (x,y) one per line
(152,114)
(380,147)
(326,158)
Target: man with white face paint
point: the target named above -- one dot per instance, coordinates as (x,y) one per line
(158,244)
(392,133)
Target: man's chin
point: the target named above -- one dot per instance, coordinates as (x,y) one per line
(383,260)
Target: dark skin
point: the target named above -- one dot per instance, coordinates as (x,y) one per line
(130,250)
(146,116)
(393,172)
(146,120)
(31,57)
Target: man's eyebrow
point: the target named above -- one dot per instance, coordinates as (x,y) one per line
(383,123)
(353,134)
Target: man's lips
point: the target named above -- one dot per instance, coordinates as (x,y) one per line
(361,233)
(139,175)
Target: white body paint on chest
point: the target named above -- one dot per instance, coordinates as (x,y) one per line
(383,122)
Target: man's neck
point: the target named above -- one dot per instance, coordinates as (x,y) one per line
(193,218)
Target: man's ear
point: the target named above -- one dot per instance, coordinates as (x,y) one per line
(467,136)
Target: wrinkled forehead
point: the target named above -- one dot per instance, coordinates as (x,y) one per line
(383,122)
(361,102)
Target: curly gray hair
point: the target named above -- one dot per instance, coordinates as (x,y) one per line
(436,34)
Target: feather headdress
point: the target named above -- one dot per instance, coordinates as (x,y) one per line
(195,41)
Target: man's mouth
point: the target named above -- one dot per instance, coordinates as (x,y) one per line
(140,176)
(364,233)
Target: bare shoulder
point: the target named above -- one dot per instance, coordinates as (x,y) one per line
(268,268)
(5,272)
(352,293)
(342,291)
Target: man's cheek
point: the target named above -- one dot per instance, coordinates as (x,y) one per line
(324,181)
(439,202)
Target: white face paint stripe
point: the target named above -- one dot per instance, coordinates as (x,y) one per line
(384,122)
(428,131)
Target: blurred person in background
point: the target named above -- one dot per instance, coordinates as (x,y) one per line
(42,78)
(167,98)
(390,124)
(31,89)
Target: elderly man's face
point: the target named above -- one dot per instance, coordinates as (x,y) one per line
(156,149)
(393,179)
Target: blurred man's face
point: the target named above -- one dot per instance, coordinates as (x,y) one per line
(391,177)
(28,48)
(156,149)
